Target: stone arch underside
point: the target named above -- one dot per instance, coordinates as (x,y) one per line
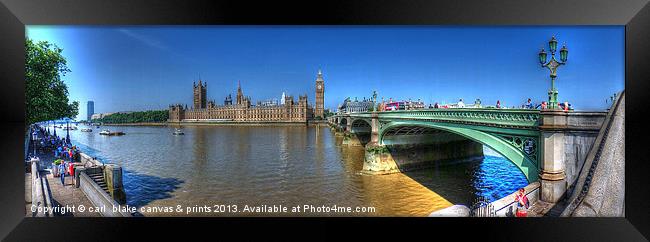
(361,126)
(514,155)
(359,133)
(343,123)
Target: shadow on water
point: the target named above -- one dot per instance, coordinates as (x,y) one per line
(143,189)
(450,181)
(464,181)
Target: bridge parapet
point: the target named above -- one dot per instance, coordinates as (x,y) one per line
(510,118)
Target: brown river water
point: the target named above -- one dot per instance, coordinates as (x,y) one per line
(249,170)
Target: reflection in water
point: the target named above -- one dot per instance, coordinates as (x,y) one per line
(281,165)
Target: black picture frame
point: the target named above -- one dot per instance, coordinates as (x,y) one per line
(15,14)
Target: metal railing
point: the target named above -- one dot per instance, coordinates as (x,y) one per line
(482,207)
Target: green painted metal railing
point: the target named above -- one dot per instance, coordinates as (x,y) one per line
(501,117)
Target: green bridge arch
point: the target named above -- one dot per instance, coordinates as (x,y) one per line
(513,154)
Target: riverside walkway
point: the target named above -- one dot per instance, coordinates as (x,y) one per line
(69,196)
(62,195)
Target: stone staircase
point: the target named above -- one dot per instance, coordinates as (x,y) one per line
(99,179)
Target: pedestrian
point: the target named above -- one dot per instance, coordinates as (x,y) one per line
(436,105)
(544,105)
(71,170)
(566,106)
(498,104)
(529,104)
(461,104)
(522,203)
(62,172)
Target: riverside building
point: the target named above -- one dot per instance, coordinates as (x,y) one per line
(242,110)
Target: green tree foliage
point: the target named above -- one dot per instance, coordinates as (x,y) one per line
(46,95)
(135,117)
(327,113)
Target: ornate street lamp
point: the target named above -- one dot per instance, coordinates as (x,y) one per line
(564,52)
(552,66)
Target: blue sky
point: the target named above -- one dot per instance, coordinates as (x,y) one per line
(131,68)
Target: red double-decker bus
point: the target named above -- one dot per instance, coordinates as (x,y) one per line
(395,106)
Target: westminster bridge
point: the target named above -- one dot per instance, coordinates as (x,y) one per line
(546,145)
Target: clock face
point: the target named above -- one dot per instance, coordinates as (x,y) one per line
(319,86)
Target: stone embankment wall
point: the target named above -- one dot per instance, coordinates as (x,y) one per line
(97,196)
(577,146)
(88,161)
(583,130)
(507,207)
(41,198)
(600,190)
(504,207)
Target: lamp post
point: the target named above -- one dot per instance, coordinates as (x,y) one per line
(34,138)
(552,66)
(67,131)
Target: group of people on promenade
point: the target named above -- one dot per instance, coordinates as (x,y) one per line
(72,154)
(64,152)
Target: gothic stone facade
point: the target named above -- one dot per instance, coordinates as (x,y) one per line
(320,96)
(242,110)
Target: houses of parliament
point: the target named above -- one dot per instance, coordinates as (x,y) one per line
(244,111)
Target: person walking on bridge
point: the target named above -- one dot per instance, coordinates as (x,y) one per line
(528,104)
(461,104)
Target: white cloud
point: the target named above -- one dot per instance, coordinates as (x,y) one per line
(144,39)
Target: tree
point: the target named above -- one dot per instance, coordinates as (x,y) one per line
(46,95)
(135,117)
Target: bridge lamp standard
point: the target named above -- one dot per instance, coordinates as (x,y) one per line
(552,66)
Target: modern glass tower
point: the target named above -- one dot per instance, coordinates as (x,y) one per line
(90,109)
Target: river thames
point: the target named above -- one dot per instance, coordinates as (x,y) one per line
(288,166)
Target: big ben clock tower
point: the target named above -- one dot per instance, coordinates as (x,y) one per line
(320,96)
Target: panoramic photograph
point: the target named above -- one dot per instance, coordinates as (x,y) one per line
(325,121)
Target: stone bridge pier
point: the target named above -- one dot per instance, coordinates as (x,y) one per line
(358,132)
(566,141)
